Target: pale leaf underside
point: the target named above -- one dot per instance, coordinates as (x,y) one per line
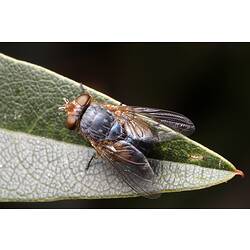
(38,169)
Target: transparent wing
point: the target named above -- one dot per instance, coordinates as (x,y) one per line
(134,124)
(132,166)
(135,127)
(177,122)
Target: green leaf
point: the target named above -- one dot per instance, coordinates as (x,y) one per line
(41,160)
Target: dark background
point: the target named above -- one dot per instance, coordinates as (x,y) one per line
(208,82)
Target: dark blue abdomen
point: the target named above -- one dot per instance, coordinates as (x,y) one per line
(99,124)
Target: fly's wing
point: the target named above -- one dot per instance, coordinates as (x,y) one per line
(132,166)
(134,124)
(136,128)
(175,121)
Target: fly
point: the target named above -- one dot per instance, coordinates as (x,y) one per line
(121,136)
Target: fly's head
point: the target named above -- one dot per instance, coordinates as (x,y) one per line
(75,109)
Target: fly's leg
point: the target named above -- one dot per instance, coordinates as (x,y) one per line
(89,163)
(81,85)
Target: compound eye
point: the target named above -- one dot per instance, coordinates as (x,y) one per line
(83,100)
(71,122)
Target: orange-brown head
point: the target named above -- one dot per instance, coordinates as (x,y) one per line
(75,109)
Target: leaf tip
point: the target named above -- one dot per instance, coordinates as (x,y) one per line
(239,172)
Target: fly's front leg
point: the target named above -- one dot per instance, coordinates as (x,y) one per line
(81,85)
(89,163)
(95,154)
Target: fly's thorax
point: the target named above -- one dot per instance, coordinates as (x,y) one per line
(96,122)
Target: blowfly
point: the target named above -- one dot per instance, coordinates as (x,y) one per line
(121,136)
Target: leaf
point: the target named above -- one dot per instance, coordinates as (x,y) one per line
(41,160)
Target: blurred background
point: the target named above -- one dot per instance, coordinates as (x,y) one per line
(207,82)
